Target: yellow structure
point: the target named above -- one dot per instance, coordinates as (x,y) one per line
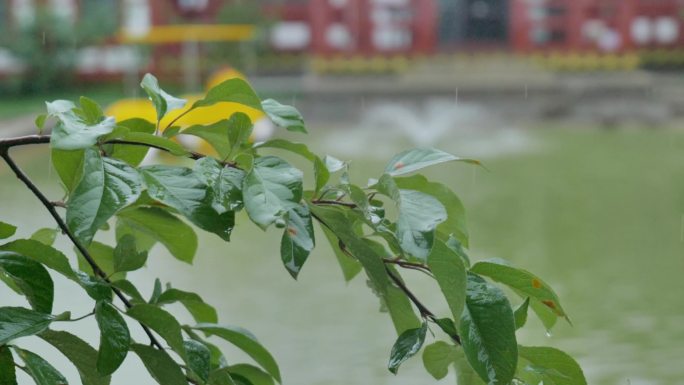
(176,33)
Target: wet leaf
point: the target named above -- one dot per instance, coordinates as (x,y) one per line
(487,331)
(406,346)
(254,375)
(450,274)
(163,102)
(133,154)
(200,310)
(69,167)
(82,355)
(31,278)
(160,365)
(416,159)
(115,338)
(552,365)
(73,133)
(161,226)
(245,341)
(7,370)
(126,255)
(456,219)
(522,281)
(40,370)
(181,189)
(271,188)
(161,322)
(321,172)
(233,91)
(284,116)
(298,239)
(108,185)
(198,358)
(225,184)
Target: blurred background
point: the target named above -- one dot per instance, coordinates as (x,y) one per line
(575,106)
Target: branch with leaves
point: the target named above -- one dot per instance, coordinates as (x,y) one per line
(98,161)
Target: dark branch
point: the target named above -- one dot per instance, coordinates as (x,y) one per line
(4,153)
(42,139)
(333,203)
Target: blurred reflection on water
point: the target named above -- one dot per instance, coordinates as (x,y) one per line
(598,214)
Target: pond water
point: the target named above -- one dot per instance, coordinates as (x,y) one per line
(598,215)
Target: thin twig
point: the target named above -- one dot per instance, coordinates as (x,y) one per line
(333,203)
(4,153)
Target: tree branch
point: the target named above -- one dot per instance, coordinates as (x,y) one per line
(333,203)
(4,153)
(43,139)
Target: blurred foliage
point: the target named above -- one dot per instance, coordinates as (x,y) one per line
(47,47)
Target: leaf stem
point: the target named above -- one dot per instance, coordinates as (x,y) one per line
(4,153)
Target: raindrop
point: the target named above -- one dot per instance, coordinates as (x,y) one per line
(456,95)
(43,37)
(681,238)
(548,334)
(527,91)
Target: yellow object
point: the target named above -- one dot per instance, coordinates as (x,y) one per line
(179,33)
(143,108)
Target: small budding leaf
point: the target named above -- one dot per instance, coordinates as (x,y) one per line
(163,102)
(284,116)
(406,346)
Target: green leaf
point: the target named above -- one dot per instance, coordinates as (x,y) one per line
(6,230)
(162,101)
(18,322)
(239,131)
(233,91)
(181,189)
(200,310)
(103,255)
(554,366)
(456,220)
(450,274)
(45,236)
(161,322)
(400,309)
(419,158)
(419,215)
(96,287)
(40,370)
(32,278)
(155,141)
(69,167)
(132,154)
(108,185)
(198,358)
(270,189)
(245,341)
(128,288)
(92,112)
(335,220)
(437,358)
(115,338)
(406,346)
(520,314)
(126,255)
(82,355)
(284,116)
(298,239)
(225,184)
(221,376)
(174,234)
(74,133)
(40,122)
(487,331)
(216,134)
(252,374)
(321,172)
(160,365)
(350,266)
(522,281)
(7,371)
(543,312)
(465,375)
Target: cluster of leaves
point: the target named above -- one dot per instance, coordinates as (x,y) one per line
(396,222)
